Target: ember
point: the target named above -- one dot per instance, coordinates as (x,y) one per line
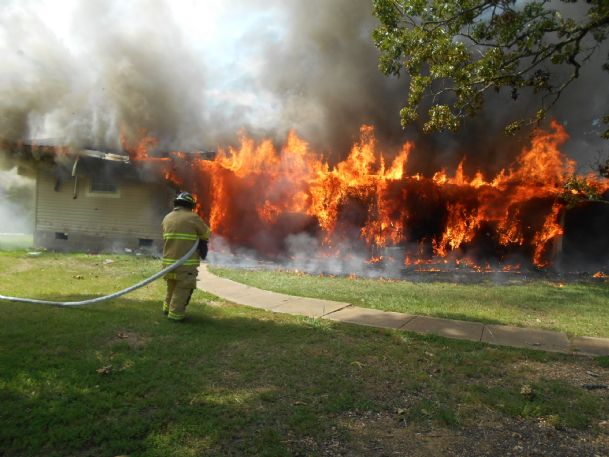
(259,198)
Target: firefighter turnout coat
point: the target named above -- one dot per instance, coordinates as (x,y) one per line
(181,229)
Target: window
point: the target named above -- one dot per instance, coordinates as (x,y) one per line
(61,236)
(144,242)
(102,186)
(101,183)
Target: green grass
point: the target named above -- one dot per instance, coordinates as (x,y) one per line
(578,308)
(10,241)
(117,378)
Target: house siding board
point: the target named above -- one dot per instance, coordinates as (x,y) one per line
(135,214)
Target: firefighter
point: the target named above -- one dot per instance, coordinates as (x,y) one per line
(181,228)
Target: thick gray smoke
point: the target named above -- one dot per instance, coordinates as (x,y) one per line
(122,68)
(323,78)
(36,74)
(193,74)
(114,66)
(324,73)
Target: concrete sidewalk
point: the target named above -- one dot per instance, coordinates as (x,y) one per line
(503,335)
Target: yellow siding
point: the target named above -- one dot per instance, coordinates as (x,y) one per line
(137,212)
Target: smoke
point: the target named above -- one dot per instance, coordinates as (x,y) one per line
(306,254)
(319,71)
(16,202)
(144,75)
(193,74)
(122,69)
(323,73)
(36,74)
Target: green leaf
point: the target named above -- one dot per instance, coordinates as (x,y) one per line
(469,48)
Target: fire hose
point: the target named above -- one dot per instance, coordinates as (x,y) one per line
(140,284)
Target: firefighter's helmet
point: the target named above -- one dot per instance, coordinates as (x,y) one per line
(184,199)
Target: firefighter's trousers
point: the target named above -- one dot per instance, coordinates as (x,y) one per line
(180,286)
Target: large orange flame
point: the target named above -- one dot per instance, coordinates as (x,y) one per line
(256,196)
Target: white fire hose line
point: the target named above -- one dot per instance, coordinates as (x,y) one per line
(152,278)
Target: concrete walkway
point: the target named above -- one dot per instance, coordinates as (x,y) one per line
(503,335)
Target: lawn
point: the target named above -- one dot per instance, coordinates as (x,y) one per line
(578,308)
(117,378)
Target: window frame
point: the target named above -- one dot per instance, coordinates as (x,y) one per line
(91,192)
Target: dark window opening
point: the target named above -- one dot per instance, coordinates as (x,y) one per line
(61,236)
(101,183)
(145,243)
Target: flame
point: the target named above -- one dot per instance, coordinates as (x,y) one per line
(460,228)
(600,275)
(550,230)
(140,151)
(256,195)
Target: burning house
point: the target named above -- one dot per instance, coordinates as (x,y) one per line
(89,200)
(331,203)
(291,207)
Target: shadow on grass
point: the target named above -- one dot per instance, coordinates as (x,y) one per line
(465,317)
(120,379)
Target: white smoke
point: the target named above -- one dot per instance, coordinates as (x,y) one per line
(16,202)
(306,254)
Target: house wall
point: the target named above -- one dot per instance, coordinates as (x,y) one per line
(98,222)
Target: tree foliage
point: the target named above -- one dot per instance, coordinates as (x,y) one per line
(455,51)
(578,189)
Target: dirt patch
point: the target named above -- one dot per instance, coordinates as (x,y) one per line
(134,340)
(382,434)
(581,373)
